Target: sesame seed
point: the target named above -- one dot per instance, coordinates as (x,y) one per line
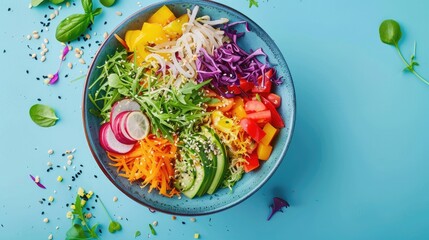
(33,55)
(52,16)
(29,37)
(70,65)
(50,237)
(105,35)
(70,157)
(82,61)
(36,36)
(46,220)
(77,55)
(46,40)
(155,223)
(43,58)
(50,151)
(115,199)
(119,13)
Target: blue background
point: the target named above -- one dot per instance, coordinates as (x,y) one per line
(357,165)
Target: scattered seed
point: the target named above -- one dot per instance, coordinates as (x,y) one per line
(173,217)
(43,58)
(70,157)
(37,179)
(77,55)
(36,36)
(105,35)
(29,37)
(82,61)
(69,162)
(46,220)
(88,215)
(119,13)
(33,55)
(155,223)
(50,237)
(87,36)
(115,199)
(49,164)
(51,199)
(42,53)
(50,151)
(70,65)
(56,12)
(52,16)
(193,219)
(50,76)
(46,40)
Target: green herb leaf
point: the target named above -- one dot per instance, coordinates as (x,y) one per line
(76,232)
(253,3)
(390,32)
(97,11)
(72,27)
(152,229)
(36,3)
(114,227)
(56,1)
(138,233)
(114,81)
(107,3)
(43,115)
(87,6)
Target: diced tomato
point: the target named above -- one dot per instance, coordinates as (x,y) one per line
(261,117)
(245,86)
(264,85)
(276,119)
(252,162)
(254,106)
(223,104)
(252,128)
(274,99)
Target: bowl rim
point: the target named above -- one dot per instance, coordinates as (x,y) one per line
(281,155)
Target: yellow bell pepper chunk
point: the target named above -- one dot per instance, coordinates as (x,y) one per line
(238,108)
(152,33)
(264,151)
(174,28)
(162,16)
(270,132)
(221,123)
(130,39)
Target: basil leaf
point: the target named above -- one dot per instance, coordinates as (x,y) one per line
(138,233)
(97,12)
(56,1)
(43,115)
(87,6)
(36,3)
(72,27)
(107,3)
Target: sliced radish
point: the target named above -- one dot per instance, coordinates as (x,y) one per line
(122,106)
(109,142)
(136,125)
(120,134)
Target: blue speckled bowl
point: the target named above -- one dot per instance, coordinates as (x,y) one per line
(250,182)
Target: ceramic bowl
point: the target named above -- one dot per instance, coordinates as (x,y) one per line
(251,182)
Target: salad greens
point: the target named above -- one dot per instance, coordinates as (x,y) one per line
(253,3)
(114,226)
(171,106)
(36,3)
(80,228)
(390,33)
(43,115)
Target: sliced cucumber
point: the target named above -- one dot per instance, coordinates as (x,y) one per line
(221,166)
(199,179)
(185,176)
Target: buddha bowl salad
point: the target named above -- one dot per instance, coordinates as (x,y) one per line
(185,110)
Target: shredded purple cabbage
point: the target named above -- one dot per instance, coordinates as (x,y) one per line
(229,62)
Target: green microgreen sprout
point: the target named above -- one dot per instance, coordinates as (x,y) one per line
(114,226)
(390,33)
(80,228)
(152,229)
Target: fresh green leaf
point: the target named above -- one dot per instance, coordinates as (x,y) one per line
(72,27)
(36,3)
(152,229)
(390,32)
(93,231)
(56,1)
(253,3)
(76,232)
(97,11)
(114,227)
(43,115)
(87,6)
(137,234)
(114,81)
(107,3)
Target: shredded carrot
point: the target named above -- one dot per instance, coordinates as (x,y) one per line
(150,162)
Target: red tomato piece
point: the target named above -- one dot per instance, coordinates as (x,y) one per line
(252,128)
(254,106)
(274,99)
(264,85)
(244,86)
(261,117)
(276,119)
(252,162)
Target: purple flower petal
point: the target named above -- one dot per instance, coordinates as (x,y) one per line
(37,183)
(65,51)
(277,206)
(54,79)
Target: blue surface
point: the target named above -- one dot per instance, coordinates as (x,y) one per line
(356,168)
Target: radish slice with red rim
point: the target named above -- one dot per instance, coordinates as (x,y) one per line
(119,131)
(109,142)
(136,125)
(122,106)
